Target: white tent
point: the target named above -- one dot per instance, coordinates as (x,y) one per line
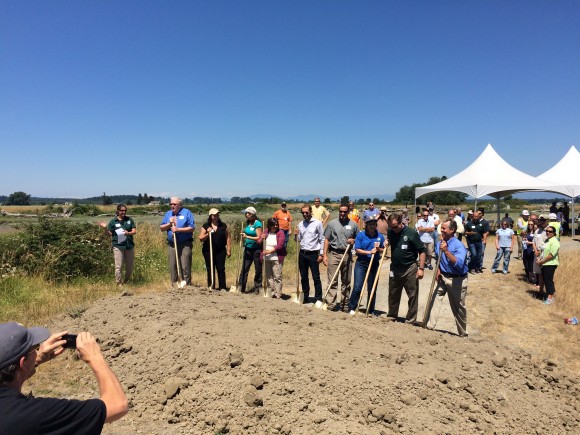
(490,175)
(566,173)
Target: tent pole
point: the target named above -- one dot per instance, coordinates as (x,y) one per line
(498,213)
(573,219)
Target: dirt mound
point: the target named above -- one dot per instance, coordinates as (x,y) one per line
(194,361)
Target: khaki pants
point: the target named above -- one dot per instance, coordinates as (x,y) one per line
(126,257)
(456,289)
(345,275)
(404,277)
(184,253)
(274,277)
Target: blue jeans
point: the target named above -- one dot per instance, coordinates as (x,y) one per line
(506,252)
(476,255)
(360,271)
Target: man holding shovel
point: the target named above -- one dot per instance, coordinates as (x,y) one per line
(451,278)
(339,236)
(179,224)
(405,274)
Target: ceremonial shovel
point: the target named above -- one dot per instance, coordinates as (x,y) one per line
(324,306)
(298,297)
(264,280)
(364,284)
(181,283)
(376,282)
(428,306)
(234,288)
(211,258)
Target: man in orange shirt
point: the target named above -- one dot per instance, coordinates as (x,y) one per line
(284,220)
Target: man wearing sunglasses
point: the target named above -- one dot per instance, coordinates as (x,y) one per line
(21,351)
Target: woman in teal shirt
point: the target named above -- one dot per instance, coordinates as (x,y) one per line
(252,248)
(122,229)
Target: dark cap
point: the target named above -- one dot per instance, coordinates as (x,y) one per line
(16,341)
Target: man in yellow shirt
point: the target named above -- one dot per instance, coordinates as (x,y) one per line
(319,212)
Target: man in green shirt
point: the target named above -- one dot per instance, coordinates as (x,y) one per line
(405,247)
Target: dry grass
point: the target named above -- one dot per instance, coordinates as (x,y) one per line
(509,311)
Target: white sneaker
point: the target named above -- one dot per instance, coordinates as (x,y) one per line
(352,312)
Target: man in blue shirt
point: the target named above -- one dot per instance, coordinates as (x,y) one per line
(179,221)
(451,278)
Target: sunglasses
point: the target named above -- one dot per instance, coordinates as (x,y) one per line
(549,231)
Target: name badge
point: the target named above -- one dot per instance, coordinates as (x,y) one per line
(404,246)
(392,274)
(181,217)
(118,225)
(347,227)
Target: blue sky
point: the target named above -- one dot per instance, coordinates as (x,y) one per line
(224,98)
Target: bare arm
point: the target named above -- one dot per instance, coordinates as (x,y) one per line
(111,391)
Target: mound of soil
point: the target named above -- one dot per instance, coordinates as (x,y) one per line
(194,361)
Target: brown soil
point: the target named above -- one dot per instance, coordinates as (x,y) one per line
(194,361)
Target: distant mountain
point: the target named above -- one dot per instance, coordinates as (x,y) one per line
(310,197)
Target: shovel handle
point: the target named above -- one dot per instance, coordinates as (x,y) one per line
(364,283)
(376,281)
(346,251)
(427,311)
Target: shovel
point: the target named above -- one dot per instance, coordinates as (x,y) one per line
(298,297)
(362,291)
(431,291)
(264,280)
(324,306)
(181,282)
(211,259)
(376,282)
(234,288)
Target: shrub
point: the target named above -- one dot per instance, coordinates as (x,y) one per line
(58,251)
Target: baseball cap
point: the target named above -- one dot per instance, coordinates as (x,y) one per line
(470,212)
(370,218)
(525,213)
(283,203)
(16,340)
(552,216)
(213,211)
(251,210)
(542,217)
(383,208)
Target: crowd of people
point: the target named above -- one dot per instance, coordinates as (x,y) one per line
(333,242)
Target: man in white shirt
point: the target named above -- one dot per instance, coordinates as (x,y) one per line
(310,234)
(425,228)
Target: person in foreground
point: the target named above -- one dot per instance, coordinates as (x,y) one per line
(21,351)
(451,278)
(549,261)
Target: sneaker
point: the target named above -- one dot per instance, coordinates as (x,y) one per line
(429,267)
(505,272)
(473,272)
(493,271)
(352,312)
(548,301)
(479,271)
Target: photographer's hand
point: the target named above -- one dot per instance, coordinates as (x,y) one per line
(110,387)
(51,348)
